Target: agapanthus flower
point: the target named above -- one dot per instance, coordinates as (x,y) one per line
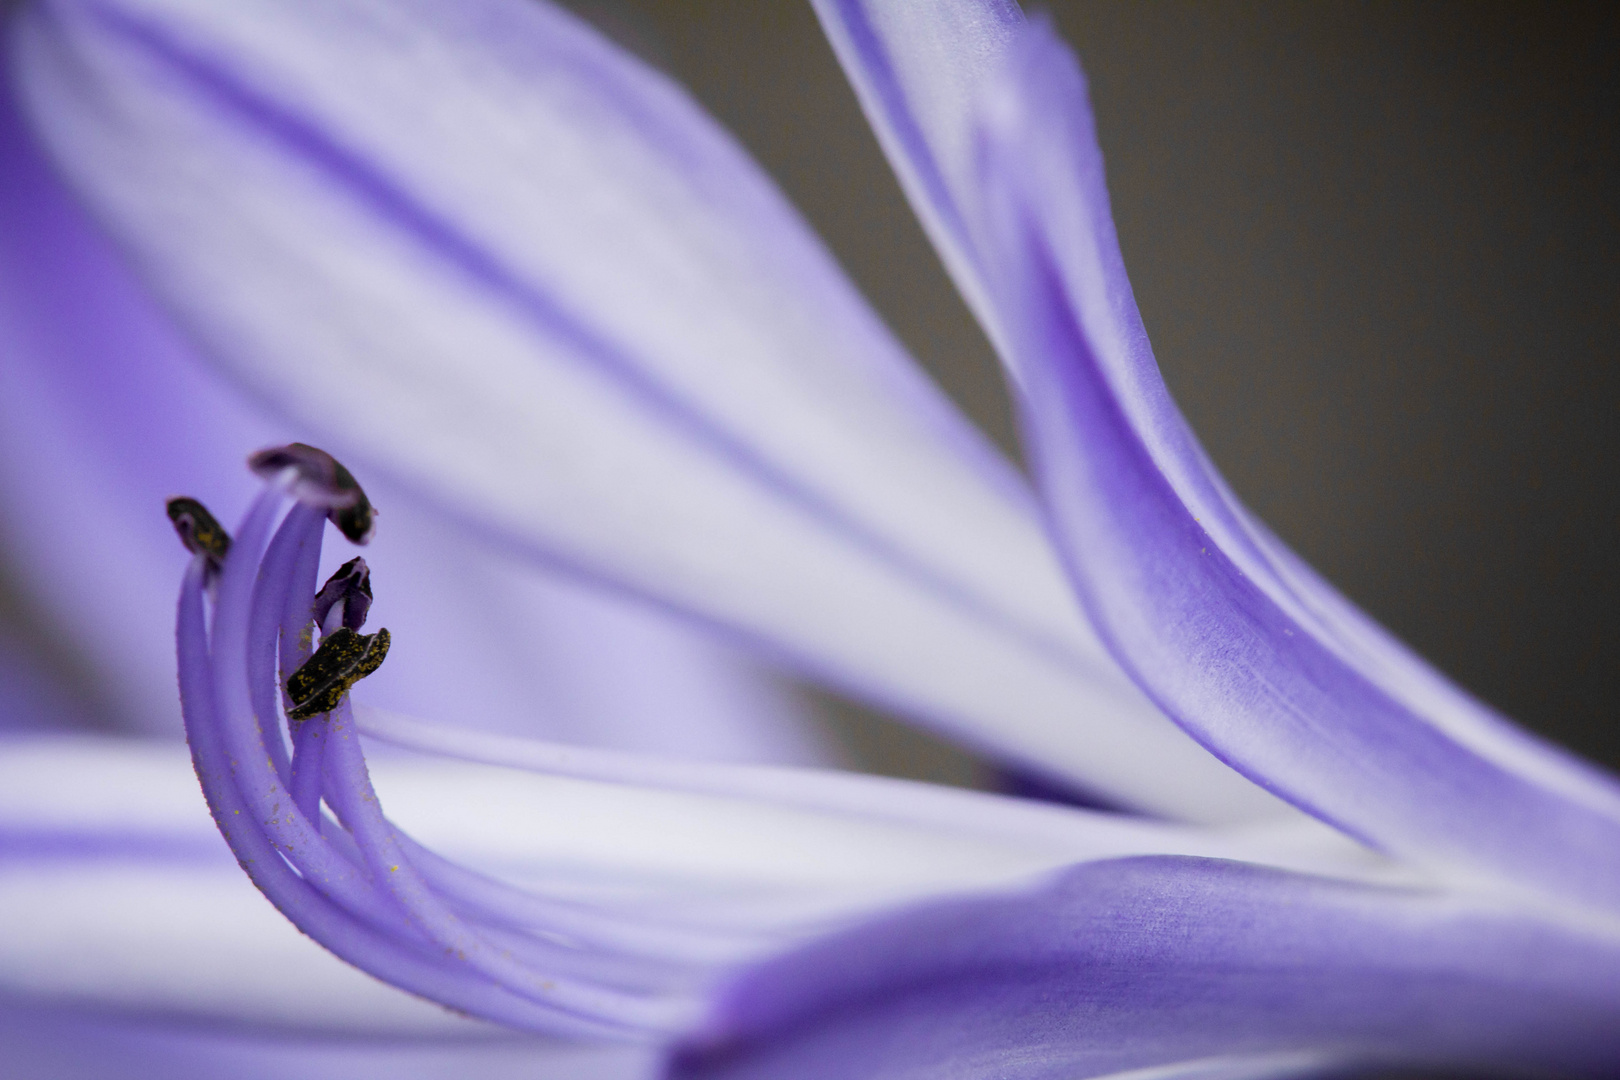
(543,310)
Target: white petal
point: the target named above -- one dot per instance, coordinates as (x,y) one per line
(118,894)
(497,260)
(101,397)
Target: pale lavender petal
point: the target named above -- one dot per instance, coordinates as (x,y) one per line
(44,1044)
(118,897)
(105,412)
(919,68)
(1048,833)
(483,640)
(487,255)
(1246,648)
(1141,963)
(100,420)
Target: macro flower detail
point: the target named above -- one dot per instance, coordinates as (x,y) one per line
(200,533)
(343,659)
(393,907)
(376,900)
(321,480)
(591,336)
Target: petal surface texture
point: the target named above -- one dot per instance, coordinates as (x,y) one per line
(919,68)
(1179,968)
(53,1045)
(486,254)
(1241,643)
(123,901)
(102,397)
(119,897)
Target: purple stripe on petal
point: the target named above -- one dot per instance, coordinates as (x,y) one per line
(52,1044)
(36,845)
(494,259)
(1143,963)
(95,400)
(916,68)
(100,395)
(1244,647)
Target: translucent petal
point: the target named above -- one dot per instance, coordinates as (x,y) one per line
(498,261)
(101,396)
(1152,964)
(1247,648)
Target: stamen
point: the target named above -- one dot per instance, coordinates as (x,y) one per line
(345,599)
(357,884)
(321,480)
(200,532)
(343,659)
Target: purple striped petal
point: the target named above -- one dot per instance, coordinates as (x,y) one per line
(1237,640)
(486,254)
(100,397)
(45,1044)
(918,68)
(100,419)
(1166,962)
(118,897)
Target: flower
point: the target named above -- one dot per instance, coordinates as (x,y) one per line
(769,463)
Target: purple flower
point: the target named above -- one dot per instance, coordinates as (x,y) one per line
(549,314)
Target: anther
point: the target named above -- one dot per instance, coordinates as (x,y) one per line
(345,599)
(343,659)
(198,530)
(321,480)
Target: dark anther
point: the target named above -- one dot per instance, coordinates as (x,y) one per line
(343,659)
(345,598)
(321,481)
(198,530)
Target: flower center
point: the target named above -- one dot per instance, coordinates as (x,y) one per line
(308,827)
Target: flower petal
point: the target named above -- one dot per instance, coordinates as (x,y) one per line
(49,1044)
(117,895)
(490,642)
(771,817)
(499,261)
(1140,963)
(122,898)
(96,400)
(918,68)
(101,397)
(1241,643)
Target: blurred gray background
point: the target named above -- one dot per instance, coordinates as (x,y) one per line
(1377,247)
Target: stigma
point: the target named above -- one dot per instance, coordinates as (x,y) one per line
(200,532)
(319,479)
